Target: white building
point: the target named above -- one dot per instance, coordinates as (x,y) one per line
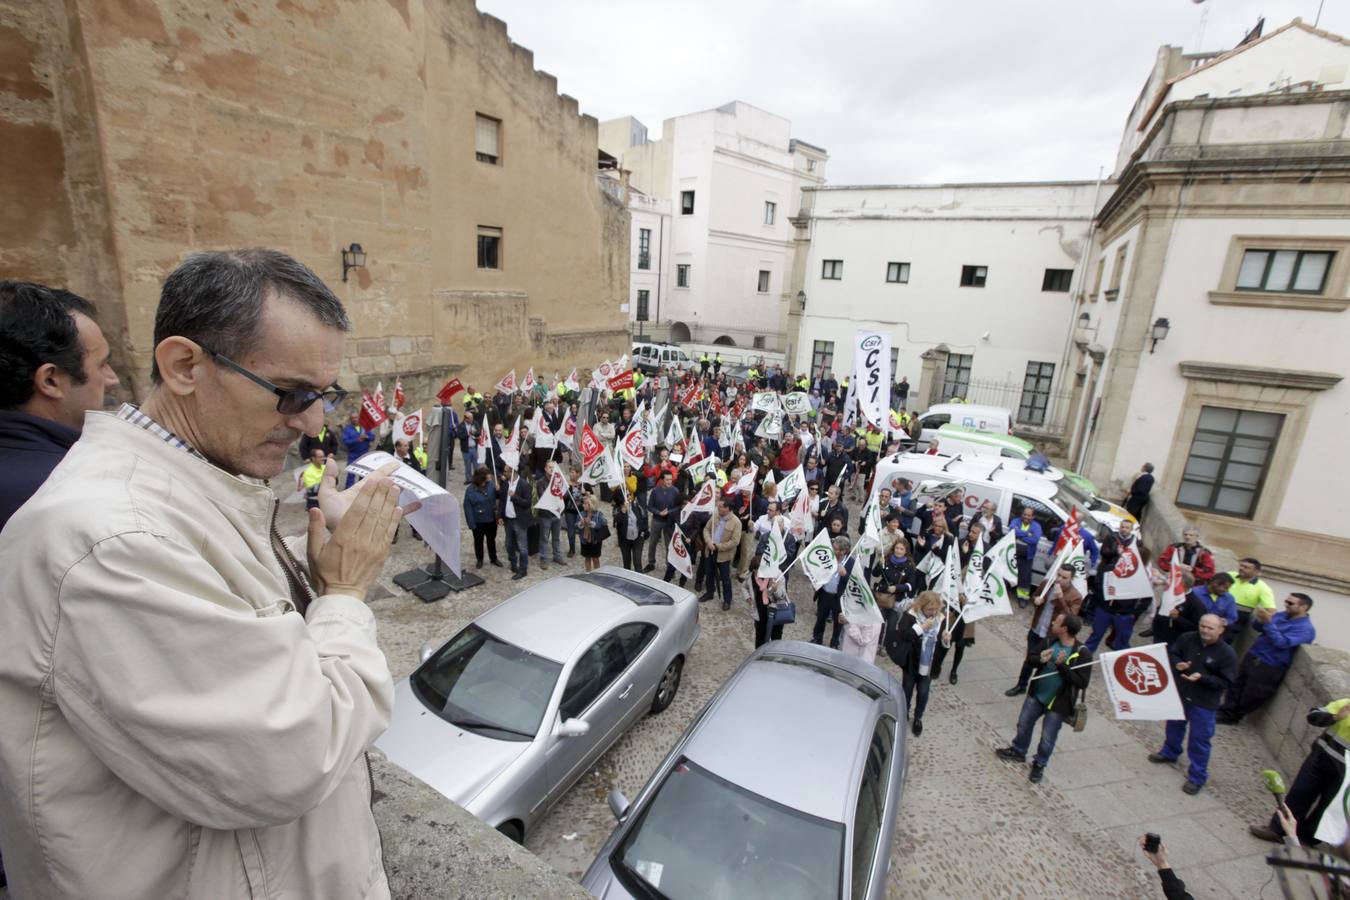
(973,279)
(1215,321)
(732,177)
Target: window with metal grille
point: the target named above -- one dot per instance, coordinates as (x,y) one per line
(487,139)
(956,380)
(763,286)
(1057,280)
(973,276)
(897,273)
(644,248)
(642,298)
(758,342)
(822,356)
(1229,459)
(686,203)
(682,275)
(832,269)
(1284,271)
(770,212)
(1035,393)
(489,247)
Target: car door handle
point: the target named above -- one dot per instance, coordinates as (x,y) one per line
(626,691)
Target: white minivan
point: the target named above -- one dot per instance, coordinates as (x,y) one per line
(1009,486)
(653,357)
(967,415)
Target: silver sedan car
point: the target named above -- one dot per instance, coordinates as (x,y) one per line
(729,814)
(507,714)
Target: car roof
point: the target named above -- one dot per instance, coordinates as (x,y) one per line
(554,618)
(967,408)
(771,705)
(961,432)
(1038,486)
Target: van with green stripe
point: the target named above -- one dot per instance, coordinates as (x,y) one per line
(954,439)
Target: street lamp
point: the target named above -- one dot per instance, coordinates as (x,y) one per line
(801,299)
(353,258)
(1160,329)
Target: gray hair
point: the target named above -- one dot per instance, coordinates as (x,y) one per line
(840,543)
(216,298)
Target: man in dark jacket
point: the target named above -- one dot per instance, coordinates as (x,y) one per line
(516,499)
(1065,670)
(663,506)
(326,440)
(1205,667)
(1137,498)
(53,368)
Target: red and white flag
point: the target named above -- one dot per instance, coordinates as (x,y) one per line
(695,451)
(1069,532)
(571,382)
(449,390)
(606,369)
(1141,684)
(508,383)
(568,433)
(590,448)
(553,499)
(1174,594)
(1129,579)
(528,383)
(379,396)
(399,399)
(408,427)
(543,435)
(511,450)
(372,412)
(622,381)
(678,555)
(634,448)
(704,501)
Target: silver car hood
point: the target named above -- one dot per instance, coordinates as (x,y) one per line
(455,761)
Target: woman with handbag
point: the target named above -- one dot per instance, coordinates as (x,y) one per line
(594,530)
(911,646)
(630,523)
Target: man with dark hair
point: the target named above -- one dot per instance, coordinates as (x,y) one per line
(205,699)
(1205,666)
(1062,599)
(53,368)
(1055,691)
(1267,660)
(1250,593)
(1137,498)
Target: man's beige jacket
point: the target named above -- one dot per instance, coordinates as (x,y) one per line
(172,726)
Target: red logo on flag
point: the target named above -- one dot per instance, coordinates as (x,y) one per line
(555,484)
(1140,674)
(372,416)
(1128,563)
(399,399)
(621,382)
(449,390)
(590,448)
(412,424)
(633,443)
(1069,532)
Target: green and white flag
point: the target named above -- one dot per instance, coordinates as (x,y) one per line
(1003,559)
(775,554)
(792,485)
(990,600)
(1072,555)
(857,603)
(951,578)
(872,523)
(817,559)
(796,403)
(974,580)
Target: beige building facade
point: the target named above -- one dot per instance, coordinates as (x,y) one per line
(1212,329)
(139,131)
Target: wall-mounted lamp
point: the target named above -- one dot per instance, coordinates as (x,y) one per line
(1160,329)
(353,258)
(801,299)
(1084,320)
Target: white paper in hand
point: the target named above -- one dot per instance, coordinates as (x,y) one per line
(437,521)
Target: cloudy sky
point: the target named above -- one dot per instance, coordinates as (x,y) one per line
(898,91)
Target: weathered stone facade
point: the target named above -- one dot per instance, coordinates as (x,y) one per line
(141,130)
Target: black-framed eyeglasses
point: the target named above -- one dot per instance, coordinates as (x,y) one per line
(290,401)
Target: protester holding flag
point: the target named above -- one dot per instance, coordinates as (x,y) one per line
(936,541)
(516,509)
(721,536)
(1063,599)
(827,596)
(1062,678)
(549,519)
(896,571)
(1203,600)
(576,496)
(480,514)
(1264,665)
(630,527)
(1205,667)
(594,530)
(912,645)
(663,506)
(1126,589)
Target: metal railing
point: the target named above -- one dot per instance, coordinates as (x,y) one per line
(1043,410)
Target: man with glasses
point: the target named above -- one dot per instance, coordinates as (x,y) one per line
(190,695)
(1267,660)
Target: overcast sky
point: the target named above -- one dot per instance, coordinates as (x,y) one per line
(898,91)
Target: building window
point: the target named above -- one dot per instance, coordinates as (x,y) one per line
(1097,278)
(644,248)
(1285,271)
(895,364)
(810,165)
(770,212)
(487,139)
(832,269)
(682,275)
(686,203)
(489,247)
(1117,273)
(897,273)
(642,299)
(758,342)
(956,380)
(973,276)
(1035,393)
(1057,280)
(763,281)
(822,356)
(1230,456)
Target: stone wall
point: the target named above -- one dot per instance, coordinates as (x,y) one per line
(150,128)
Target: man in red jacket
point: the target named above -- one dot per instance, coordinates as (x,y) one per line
(788,456)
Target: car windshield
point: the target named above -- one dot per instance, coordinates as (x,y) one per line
(1069,495)
(703,838)
(487,685)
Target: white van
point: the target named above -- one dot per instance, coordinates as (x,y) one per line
(653,357)
(967,415)
(1009,486)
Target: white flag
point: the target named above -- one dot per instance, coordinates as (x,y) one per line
(951,578)
(771,427)
(800,518)
(796,404)
(872,375)
(747,482)
(571,384)
(792,485)
(1071,555)
(872,522)
(553,499)
(673,435)
(704,501)
(990,600)
(511,451)
(567,436)
(974,578)
(1128,580)
(768,480)
(408,427)
(1141,684)
(678,555)
(775,554)
(699,470)
(932,566)
(598,472)
(543,435)
(766,401)
(1003,559)
(616,478)
(817,559)
(1174,594)
(857,603)
(1331,830)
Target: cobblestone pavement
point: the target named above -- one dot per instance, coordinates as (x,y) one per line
(970,824)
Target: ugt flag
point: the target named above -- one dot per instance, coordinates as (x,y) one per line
(1141,684)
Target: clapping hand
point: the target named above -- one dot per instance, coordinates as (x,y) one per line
(1045,656)
(1183,666)
(1194,676)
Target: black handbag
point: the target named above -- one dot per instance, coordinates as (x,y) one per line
(784,613)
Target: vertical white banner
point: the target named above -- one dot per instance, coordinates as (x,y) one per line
(871,380)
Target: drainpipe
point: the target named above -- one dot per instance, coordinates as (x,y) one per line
(1084,428)
(1084,263)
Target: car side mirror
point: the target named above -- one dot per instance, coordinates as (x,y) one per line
(618,804)
(573,728)
(428,649)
